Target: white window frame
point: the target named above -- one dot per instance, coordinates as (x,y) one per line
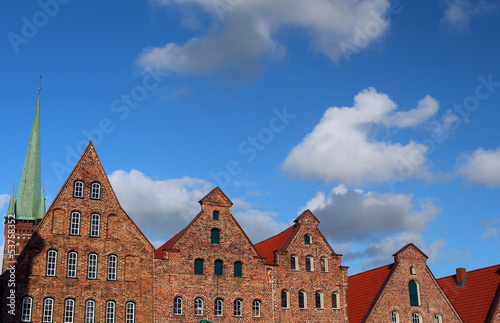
(304,295)
(95,191)
(95,225)
(256,308)
(78,189)
(198,306)
(238,308)
(26,309)
(110,312)
(112,267)
(90,311)
(415,318)
(219,307)
(69,310)
(324,266)
(48,310)
(130,312)
(336,295)
(72,264)
(321,303)
(437,318)
(287,294)
(394,317)
(51,270)
(311,263)
(74,226)
(294,262)
(178,306)
(92,266)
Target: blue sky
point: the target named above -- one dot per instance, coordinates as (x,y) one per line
(381,117)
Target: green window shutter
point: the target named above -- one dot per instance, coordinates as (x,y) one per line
(218,268)
(215,236)
(215,215)
(198,266)
(307,239)
(413,289)
(237,269)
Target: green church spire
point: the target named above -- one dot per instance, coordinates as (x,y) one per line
(28,198)
(11,211)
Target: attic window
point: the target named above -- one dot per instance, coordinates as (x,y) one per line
(412,270)
(95,192)
(307,239)
(215,215)
(78,189)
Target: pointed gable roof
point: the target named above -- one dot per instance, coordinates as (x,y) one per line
(278,242)
(216,196)
(364,290)
(401,251)
(477,299)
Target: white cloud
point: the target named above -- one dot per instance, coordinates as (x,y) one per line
(4,200)
(491,228)
(458,13)
(342,147)
(259,225)
(243,33)
(482,167)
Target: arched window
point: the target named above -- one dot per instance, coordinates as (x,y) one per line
(323,262)
(414,293)
(437,319)
(415,318)
(95,192)
(218,268)
(90,311)
(256,308)
(72,264)
(74,228)
(112,267)
(69,311)
(293,262)
(110,311)
(95,225)
(51,263)
(92,266)
(78,189)
(198,306)
(26,309)
(198,266)
(177,305)
(237,269)
(318,296)
(309,263)
(335,300)
(307,239)
(412,270)
(215,215)
(130,312)
(238,304)
(48,310)
(284,299)
(215,236)
(394,317)
(302,299)
(219,307)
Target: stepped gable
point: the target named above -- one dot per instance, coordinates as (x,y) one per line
(477,298)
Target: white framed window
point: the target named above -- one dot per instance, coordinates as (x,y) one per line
(95,192)
(72,264)
(294,262)
(323,263)
(178,305)
(302,299)
(437,318)
(69,311)
(78,189)
(92,266)
(256,308)
(48,310)
(285,300)
(412,270)
(394,317)
(112,265)
(238,305)
(51,263)
(309,263)
(219,307)
(415,318)
(130,312)
(90,311)
(335,300)
(95,225)
(26,309)
(198,306)
(74,228)
(318,297)
(110,311)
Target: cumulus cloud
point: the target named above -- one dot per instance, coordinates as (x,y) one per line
(491,228)
(482,167)
(459,13)
(244,33)
(342,147)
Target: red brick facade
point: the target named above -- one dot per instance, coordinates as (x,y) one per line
(17,234)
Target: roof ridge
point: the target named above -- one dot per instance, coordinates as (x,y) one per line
(369,270)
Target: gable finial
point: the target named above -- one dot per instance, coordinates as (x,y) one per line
(40,86)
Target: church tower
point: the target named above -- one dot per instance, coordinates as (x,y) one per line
(25,212)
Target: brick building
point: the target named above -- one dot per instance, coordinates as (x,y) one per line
(404,291)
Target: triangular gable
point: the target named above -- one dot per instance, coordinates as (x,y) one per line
(405,249)
(216,196)
(307,217)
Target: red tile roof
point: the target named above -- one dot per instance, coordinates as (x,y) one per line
(167,245)
(475,299)
(363,289)
(267,247)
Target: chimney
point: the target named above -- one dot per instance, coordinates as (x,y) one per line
(461,275)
